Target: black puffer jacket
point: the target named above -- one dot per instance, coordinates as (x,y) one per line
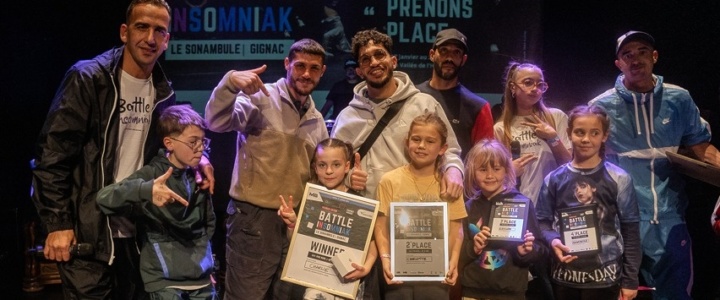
(76,150)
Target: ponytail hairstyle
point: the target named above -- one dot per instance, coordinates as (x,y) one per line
(588,111)
(330,143)
(510,104)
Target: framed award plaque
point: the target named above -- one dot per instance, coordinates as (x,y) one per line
(333,230)
(508,220)
(579,229)
(418,243)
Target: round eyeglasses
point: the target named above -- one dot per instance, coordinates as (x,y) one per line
(379,55)
(197,144)
(528,83)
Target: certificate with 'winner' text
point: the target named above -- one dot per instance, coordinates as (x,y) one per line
(330,225)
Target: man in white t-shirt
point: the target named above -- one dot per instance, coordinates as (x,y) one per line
(101,128)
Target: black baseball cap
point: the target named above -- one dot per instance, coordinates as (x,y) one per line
(451,34)
(633,35)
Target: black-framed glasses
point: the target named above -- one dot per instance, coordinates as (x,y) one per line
(196,144)
(378,55)
(528,83)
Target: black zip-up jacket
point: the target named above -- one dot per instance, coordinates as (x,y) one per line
(76,149)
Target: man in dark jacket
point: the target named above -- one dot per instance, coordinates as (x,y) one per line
(99,130)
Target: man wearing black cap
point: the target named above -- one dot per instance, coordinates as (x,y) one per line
(469,114)
(342,91)
(650,117)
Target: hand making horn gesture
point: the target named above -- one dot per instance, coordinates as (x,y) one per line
(162,195)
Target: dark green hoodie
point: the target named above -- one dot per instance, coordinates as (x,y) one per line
(175,239)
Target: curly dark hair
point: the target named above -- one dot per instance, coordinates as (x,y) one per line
(362,38)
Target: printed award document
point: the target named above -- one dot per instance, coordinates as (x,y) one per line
(418,241)
(332,228)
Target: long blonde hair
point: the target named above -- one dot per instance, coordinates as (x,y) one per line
(432,118)
(510,104)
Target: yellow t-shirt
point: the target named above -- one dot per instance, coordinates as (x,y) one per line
(399,185)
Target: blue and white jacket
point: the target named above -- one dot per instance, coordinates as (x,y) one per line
(643,126)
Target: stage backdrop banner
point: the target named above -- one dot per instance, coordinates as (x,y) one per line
(209,38)
(333,228)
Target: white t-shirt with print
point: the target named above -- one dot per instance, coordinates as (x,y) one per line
(535,171)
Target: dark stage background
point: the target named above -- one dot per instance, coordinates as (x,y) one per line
(573,41)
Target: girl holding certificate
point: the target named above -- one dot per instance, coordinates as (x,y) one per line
(589,214)
(495,270)
(331,164)
(419,181)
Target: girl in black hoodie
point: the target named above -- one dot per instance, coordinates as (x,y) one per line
(494,269)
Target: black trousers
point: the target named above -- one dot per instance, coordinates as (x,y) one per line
(87,278)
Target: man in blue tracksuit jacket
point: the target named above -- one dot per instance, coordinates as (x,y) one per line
(648,119)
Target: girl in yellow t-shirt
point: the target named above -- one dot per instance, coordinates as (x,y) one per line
(419,181)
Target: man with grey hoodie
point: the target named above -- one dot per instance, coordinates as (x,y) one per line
(382,87)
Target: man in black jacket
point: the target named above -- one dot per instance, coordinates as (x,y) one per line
(101,128)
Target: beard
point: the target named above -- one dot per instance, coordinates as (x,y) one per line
(437,68)
(382,82)
(299,89)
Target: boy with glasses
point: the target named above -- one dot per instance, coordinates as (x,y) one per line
(175,216)
(101,128)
